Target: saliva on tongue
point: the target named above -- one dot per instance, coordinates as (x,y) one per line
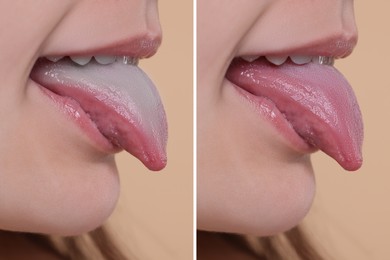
(316,99)
(119,98)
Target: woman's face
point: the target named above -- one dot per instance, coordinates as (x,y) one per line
(57,169)
(254,134)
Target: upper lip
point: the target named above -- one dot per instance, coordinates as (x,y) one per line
(337,47)
(143,46)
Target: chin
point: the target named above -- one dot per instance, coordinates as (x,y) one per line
(272,202)
(74,201)
(90,205)
(291,204)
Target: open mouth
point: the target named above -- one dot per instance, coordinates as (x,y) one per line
(111,99)
(307,100)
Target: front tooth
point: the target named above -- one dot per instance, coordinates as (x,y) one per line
(277,60)
(104,60)
(301,59)
(249,58)
(54,58)
(81,60)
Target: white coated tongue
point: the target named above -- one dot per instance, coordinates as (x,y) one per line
(121,100)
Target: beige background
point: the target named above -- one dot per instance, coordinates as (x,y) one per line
(154,218)
(351,213)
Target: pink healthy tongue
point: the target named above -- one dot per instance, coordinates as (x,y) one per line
(317,101)
(119,98)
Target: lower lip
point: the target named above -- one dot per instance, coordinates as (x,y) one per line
(267,111)
(73,111)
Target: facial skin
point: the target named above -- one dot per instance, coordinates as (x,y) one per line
(53,179)
(250,180)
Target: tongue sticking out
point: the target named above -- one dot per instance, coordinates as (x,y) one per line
(317,101)
(119,98)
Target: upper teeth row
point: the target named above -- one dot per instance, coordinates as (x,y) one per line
(102,59)
(297,59)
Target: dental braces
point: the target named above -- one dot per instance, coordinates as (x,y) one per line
(130,60)
(325,60)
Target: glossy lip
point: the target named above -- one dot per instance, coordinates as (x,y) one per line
(272,115)
(73,111)
(336,48)
(137,47)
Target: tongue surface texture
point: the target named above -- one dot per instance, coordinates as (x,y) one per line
(317,101)
(119,98)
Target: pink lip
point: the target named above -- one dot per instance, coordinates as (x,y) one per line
(312,104)
(116,105)
(336,47)
(135,46)
(314,101)
(72,110)
(267,109)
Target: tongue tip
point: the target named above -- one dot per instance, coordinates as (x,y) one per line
(156,165)
(156,162)
(352,164)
